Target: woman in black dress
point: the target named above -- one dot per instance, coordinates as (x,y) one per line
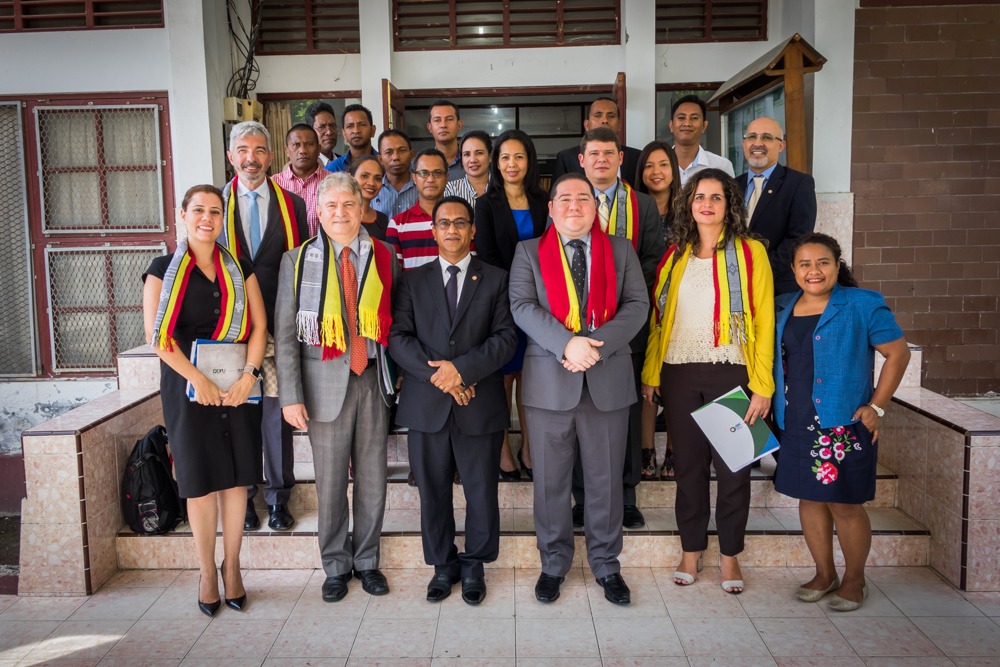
(829,418)
(368,172)
(203,292)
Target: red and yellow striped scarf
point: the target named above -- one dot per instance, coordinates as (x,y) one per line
(629,226)
(289,223)
(602,287)
(234,316)
(320,312)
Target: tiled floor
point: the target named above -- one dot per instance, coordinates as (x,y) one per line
(912,618)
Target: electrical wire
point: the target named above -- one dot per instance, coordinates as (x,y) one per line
(245,67)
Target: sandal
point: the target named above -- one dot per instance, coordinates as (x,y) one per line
(648,464)
(667,469)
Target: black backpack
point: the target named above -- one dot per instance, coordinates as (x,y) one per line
(150,502)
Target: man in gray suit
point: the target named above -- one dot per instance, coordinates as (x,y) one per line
(332,326)
(579,295)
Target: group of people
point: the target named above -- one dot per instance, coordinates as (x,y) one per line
(449,283)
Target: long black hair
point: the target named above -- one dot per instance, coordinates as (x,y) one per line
(675,184)
(532,178)
(845,278)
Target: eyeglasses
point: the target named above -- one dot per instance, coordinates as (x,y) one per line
(768,138)
(461,224)
(426,173)
(325,126)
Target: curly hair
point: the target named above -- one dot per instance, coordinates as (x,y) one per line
(685,229)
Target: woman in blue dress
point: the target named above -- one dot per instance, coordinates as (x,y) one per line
(829,420)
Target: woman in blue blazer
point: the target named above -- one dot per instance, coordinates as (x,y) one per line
(829,420)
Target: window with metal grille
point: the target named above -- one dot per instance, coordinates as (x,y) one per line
(291,27)
(17,325)
(679,21)
(468,24)
(47,15)
(99,212)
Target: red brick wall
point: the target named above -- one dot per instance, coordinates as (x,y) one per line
(926,176)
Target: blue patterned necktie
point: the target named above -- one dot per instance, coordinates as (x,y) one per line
(254,224)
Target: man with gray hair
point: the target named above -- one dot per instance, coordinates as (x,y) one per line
(263,221)
(333,321)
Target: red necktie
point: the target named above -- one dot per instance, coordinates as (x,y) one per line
(349,279)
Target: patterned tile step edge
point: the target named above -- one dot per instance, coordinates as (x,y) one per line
(518,551)
(520,495)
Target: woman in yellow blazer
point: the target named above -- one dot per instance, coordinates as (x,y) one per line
(712,329)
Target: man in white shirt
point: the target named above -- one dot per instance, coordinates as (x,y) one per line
(688,122)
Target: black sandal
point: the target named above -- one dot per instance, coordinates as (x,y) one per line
(667,469)
(648,464)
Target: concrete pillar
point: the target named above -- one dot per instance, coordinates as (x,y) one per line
(639,29)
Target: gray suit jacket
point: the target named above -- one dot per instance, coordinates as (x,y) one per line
(547,384)
(303,376)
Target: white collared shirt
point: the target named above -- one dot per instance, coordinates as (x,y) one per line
(463,269)
(263,205)
(706,159)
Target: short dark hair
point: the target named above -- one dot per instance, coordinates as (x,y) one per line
(569,176)
(476,134)
(690,99)
(350,108)
(356,163)
(318,108)
(428,152)
(601,134)
(392,133)
(454,199)
(300,127)
(444,103)
(602,99)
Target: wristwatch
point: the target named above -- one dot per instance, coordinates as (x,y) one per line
(879,411)
(252,370)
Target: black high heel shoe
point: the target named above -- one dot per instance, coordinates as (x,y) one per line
(520,460)
(233,603)
(207,608)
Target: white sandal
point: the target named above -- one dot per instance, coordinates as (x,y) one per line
(685,578)
(731,586)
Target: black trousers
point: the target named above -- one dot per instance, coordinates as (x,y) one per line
(632,470)
(279,455)
(433,459)
(685,388)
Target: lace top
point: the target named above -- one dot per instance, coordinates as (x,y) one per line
(693,331)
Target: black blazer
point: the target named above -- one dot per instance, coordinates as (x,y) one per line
(272,245)
(568,160)
(785,211)
(479,342)
(496,231)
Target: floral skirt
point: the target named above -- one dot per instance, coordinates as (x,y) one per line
(829,465)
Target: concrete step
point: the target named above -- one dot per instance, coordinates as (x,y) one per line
(774,538)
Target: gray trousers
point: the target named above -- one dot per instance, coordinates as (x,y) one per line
(358,435)
(279,456)
(599,437)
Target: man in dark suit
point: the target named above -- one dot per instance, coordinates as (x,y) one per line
(451,333)
(603,112)
(579,295)
(333,320)
(781,202)
(263,221)
(625,213)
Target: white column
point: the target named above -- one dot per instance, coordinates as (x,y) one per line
(376,53)
(639,29)
(833,92)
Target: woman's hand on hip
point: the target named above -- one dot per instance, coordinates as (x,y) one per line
(760,406)
(870,419)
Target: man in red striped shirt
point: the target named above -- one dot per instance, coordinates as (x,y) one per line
(410,233)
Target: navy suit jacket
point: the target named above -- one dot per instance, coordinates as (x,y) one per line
(568,160)
(479,341)
(785,211)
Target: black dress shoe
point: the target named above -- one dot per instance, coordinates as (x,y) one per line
(547,588)
(280,518)
(411,480)
(473,590)
(440,586)
(510,475)
(373,582)
(335,588)
(233,603)
(520,459)
(632,517)
(251,521)
(615,589)
(209,608)
(578,516)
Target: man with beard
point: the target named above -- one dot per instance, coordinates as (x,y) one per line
(358,130)
(263,221)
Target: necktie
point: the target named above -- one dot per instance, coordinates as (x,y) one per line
(758,185)
(604,211)
(578,269)
(349,281)
(451,291)
(254,224)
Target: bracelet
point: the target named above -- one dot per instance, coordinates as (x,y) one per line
(879,411)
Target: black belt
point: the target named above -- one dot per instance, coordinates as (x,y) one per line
(371,362)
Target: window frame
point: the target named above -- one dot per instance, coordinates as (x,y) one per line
(84,8)
(708,35)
